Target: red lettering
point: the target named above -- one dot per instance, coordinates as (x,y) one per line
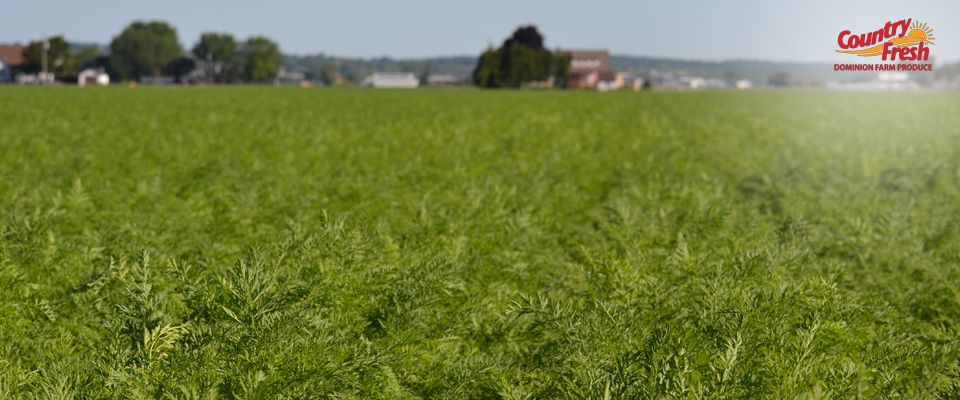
(906,25)
(913,54)
(887,49)
(924,51)
(854,41)
(886,30)
(840,39)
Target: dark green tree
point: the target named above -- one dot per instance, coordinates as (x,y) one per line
(521,59)
(561,67)
(261,59)
(144,48)
(87,55)
(217,47)
(180,67)
(60,60)
(487,73)
(219,52)
(329,73)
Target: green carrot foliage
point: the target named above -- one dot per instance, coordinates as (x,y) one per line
(280,243)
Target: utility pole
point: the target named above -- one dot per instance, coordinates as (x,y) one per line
(46,47)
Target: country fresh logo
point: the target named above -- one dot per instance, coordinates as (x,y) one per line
(908,45)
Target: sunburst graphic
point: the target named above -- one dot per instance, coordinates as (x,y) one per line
(918,33)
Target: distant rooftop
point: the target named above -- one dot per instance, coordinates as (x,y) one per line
(12,55)
(589,60)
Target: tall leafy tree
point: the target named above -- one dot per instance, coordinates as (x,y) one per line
(219,51)
(261,59)
(144,48)
(88,55)
(213,46)
(329,74)
(487,73)
(522,58)
(59,58)
(561,66)
(527,36)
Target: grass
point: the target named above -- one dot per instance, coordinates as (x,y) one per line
(254,243)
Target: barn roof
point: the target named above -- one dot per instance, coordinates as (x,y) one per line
(602,56)
(12,55)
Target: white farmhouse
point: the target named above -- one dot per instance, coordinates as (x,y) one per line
(404,80)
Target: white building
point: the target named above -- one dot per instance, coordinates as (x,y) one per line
(404,80)
(628,80)
(692,82)
(92,77)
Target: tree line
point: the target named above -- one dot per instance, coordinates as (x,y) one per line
(153,49)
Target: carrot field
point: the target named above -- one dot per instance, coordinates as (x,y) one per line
(344,243)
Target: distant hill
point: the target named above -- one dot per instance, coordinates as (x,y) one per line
(755,71)
(461,66)
(758,72)
(354,69)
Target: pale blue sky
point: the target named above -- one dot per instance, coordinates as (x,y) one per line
(799,30)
